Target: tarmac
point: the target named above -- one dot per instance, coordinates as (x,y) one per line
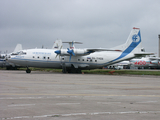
(57,96)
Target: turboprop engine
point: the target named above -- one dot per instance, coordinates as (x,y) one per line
(70,52)
(75,52)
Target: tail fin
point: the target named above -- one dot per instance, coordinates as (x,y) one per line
(57,44)
(17,48)
(133,43)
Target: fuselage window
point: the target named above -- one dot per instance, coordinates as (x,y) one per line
(44,57)
(48,57)
(95,60)
(78,59)
(33,56)
(82,59)
(87,60)
(91,60)
(38,57)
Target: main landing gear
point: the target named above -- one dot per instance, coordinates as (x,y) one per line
(28,70)
(71,70)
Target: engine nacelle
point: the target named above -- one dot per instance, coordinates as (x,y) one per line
(76,52)
(80,52)
(64,52)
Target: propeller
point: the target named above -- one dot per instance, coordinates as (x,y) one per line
(58,52)
(71,52)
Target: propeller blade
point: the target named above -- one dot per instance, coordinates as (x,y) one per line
(70,58)
(73,53)
(56,56)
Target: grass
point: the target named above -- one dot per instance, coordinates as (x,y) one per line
(101,71)
(123,72)
(43,69)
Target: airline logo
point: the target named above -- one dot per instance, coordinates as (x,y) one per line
(135,38)
(140,63)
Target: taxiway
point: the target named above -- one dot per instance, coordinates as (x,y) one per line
(45,95)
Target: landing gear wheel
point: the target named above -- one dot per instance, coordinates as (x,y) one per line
(28,71)
(64,71)
(78,71)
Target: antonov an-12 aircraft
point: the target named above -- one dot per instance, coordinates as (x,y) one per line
(4,57)
(74,60)
(151,62)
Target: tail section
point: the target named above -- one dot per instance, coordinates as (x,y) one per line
(133,43)
(18,48)
(57,44)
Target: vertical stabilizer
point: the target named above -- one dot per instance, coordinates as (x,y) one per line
(57,44)
(133,43)
(18,48)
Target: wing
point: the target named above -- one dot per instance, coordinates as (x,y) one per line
(154,58)
(91,50)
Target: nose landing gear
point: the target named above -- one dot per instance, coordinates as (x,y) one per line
(28,70)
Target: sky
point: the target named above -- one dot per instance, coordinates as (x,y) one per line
(95,23)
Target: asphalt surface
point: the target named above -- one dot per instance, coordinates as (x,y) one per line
(56,96)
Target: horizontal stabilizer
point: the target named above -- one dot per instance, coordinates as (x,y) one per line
(71,44)
(142,54)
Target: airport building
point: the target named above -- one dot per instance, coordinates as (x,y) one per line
(159,45)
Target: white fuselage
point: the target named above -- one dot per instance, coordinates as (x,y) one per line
(47,58)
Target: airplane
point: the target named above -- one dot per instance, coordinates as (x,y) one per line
(120,65)
(74,60)
(146,62)
(4,57)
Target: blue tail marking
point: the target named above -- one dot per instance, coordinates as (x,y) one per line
(136,39)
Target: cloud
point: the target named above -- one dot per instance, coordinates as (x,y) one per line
(97,23)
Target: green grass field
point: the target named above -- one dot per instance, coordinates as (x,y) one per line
(102,71)
(122,72)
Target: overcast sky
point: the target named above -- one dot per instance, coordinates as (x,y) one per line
(96,23)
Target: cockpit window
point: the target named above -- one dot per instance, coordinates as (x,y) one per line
(14,53)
